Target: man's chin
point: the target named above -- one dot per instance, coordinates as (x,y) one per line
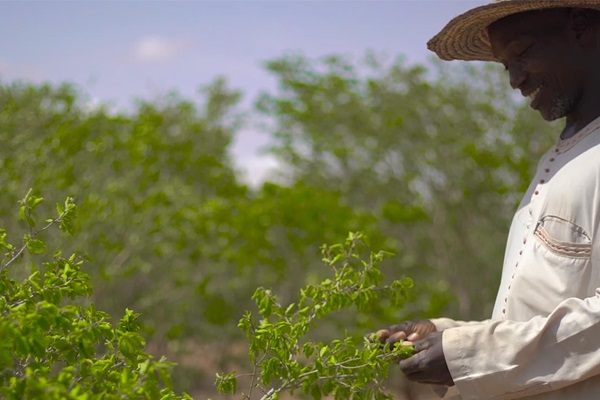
(560,108)
(550,117)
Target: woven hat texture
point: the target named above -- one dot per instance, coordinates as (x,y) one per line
(465,37)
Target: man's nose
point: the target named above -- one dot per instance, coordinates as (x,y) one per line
(517,75)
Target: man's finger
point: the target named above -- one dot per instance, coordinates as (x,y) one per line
(421,345)
(412,364)
(396,337)
(379,336)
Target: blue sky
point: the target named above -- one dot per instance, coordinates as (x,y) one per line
(120,50)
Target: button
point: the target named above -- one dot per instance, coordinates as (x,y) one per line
(521,253)
(536,192)
(524,241)
(556,150)
(547,170)
(542,181)
(504,311)
(509,287)
(552,160)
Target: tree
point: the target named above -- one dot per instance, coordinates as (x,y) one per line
(140,181)
(439,157)
(167,227)
(429,162)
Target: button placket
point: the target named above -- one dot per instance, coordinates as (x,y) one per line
(543,179)
(561,147)
(516,265)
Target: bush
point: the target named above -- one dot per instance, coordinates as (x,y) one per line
(284,357)
(55,343)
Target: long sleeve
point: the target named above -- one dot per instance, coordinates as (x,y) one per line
(508,359)
(442,324)
(543,341)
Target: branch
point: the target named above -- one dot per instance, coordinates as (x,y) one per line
(32,236)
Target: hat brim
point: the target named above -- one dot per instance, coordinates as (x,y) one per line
(465,37)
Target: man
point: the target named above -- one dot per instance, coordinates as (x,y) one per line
(543,340)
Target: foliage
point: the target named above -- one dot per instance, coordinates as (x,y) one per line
(439,156)
(428,160)
(273,240)
(284,360)
(161,213)
(142,182)
(54,346)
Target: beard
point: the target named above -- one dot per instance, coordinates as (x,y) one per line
(560,107)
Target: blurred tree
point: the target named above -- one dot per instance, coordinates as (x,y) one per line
(161,213)
(428,163)
(141,180)
(440,157)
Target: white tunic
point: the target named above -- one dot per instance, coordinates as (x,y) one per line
(543,341)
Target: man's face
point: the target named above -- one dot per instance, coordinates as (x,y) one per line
(540,53)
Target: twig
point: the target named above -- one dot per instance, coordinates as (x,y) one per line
(33,236)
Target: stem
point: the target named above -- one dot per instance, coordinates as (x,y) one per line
(32,236)
(21,250)
(256,364)
(252,383)
(268,394)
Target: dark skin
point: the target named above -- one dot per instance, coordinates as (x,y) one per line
(428,365)
(552,57)
(557,51)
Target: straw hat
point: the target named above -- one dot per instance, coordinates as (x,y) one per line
(466,37)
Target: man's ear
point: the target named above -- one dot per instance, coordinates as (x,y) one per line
(583,26)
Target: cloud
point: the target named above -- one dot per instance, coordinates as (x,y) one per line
(255,170)
(154,48)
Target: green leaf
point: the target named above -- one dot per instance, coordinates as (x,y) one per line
(34,201)
(324,351)
(36,246)
(131,344)
(226,383)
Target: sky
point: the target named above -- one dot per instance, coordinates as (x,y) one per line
(116,51)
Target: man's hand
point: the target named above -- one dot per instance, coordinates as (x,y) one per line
(428,365)
(408,330)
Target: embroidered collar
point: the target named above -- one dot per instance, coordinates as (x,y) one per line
(566,144)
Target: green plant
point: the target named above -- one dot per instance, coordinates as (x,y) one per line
(285,359)
(54,345)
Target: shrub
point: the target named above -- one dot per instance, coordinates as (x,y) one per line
(284,358)
(55,343)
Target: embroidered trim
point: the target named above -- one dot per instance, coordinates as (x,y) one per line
(565,145)
(583,250)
